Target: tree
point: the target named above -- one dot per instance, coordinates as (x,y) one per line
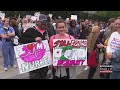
(109,14)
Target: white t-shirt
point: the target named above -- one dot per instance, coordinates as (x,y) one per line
(114,42)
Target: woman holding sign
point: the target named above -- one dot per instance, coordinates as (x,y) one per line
(62,72)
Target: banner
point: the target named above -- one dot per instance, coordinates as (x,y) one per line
(67,52)
(28,16)
(33,56)
(33,18)
(73,17)
(37,14)
(2,15)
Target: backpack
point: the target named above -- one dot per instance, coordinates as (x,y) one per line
(92,60)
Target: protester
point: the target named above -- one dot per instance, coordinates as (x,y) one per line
(107,34)
(50,27)
(36,34)
(86,29)
(24,24)
(7,32)
(72,30)
(62,72)
(94,43)
(113,51)
(14,24)
(1,23)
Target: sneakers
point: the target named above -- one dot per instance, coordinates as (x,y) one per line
(15,66)
(86,68)
(5,69)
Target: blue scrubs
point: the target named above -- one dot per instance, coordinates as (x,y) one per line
(7,49)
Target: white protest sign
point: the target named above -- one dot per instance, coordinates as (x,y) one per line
(67,19)
(68,52)
(59,17)
(28,16)
(50,15)
(37,14)
(33,56)
(33,18)
(2,15)
(74,17)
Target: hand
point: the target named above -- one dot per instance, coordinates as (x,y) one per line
(38,39)
(16,37)
(100,45)
(109,55)
(78,35)
(6,36)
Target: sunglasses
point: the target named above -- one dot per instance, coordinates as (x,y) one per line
(43,21)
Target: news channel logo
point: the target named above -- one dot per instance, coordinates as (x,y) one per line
(106,68)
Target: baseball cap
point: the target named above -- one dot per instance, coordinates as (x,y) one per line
(42,18)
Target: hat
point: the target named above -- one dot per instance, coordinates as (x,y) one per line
(42,17)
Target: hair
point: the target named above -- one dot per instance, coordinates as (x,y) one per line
(60,21)
(0,18)
(91,40)
(13,18)
(118,17)
(5,19)
(112,28)
(72,21)
(111,20)
(48,18)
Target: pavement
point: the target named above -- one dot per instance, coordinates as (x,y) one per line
(12,73)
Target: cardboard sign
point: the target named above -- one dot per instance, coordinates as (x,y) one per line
(28,16)
(33,56)
(67,19)
(50,15)
(73,17)
(67,52)
(37,14)
(33,18)
(2,15)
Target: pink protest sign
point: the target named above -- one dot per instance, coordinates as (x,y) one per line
(32,56)
(33,52)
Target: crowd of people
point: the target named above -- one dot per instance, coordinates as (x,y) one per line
(101,38)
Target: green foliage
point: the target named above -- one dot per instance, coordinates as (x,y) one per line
(109,14)
(100,15)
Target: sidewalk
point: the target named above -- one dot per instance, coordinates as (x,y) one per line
(12,73)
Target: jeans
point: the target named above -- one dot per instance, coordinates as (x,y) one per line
(8,54)
(91,72)
(115,75)
(40,73)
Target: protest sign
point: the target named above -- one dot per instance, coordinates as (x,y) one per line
(67,52)
(2,15)
(33,56)
(73,17)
